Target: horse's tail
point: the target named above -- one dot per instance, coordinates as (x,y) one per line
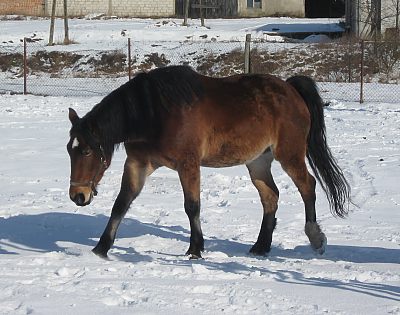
(319,156)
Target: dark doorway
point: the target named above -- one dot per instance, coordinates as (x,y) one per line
(325,8)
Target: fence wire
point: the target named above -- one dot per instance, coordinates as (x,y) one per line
(51,71)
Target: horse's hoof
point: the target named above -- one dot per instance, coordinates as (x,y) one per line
(193,254)
(258,254)
(322,248)
(100,253)
(316,236)
(194,257)
(258,250)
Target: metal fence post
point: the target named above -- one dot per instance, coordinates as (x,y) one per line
(362,73)
(129,59)
(25,67)
(247,54)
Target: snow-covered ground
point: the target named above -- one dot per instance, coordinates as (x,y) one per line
(98,34)
(45,240)
(46,264)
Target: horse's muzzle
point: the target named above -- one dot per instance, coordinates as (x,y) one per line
(80,199)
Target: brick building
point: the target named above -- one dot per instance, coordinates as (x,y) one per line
(22,7)
(137,8)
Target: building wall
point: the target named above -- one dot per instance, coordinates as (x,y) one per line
(388,18)
(22,7)
(294,8)
(136,8)
(78,7)
(141,8)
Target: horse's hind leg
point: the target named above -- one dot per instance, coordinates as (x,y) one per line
(292,160)
(260,173)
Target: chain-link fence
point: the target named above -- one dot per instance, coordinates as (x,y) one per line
(42,70)
(344,69)
(371,70)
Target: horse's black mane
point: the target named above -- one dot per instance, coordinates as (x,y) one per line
(132,111)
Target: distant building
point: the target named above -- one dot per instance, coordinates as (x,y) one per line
(123,8)
(257,8)
(168,8)
(253,8)
(22,7)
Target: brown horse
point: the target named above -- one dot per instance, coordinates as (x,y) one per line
(177,118)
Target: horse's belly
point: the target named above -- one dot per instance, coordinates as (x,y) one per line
(230,155)
(221,162)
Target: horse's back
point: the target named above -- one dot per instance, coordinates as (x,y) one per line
(237,119)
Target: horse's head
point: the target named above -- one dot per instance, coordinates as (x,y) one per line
(88,162)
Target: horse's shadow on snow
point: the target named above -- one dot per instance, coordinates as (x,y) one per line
(58,232)
(44,232)
(47,232)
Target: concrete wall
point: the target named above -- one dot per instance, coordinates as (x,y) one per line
(294,8)
(135,8)
(144,8)
(78,7)
(22,7)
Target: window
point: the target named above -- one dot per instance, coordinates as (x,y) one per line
(256,4)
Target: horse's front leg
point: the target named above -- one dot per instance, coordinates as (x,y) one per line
(133,179)
(189,175)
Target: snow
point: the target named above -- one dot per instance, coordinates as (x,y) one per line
(46,262)
(305,27)
(103,34)
(46,241)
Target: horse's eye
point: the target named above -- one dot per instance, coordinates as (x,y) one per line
(86,152)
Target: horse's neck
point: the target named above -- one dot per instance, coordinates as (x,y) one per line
(107,123)
(113,125)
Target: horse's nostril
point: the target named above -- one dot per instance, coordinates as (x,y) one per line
(79,199)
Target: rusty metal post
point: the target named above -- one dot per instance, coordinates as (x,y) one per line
(129,59)
(25,66)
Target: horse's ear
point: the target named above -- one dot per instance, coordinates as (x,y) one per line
(73,116)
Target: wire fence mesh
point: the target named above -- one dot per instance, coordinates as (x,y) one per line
(360,70)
